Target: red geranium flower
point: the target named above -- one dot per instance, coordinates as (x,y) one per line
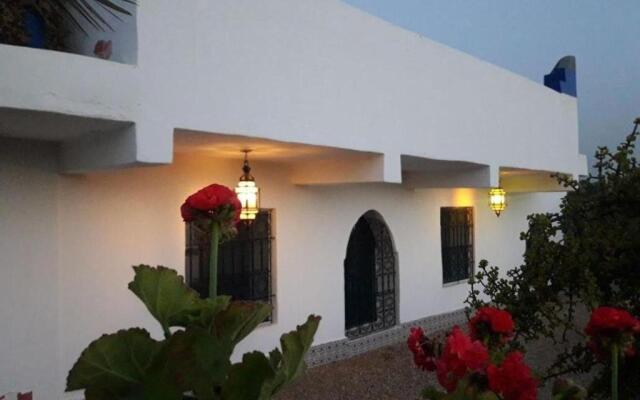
(513,379)
(491,323)
(212,201)
(422,349)
(461,355)
(610,321)
(187,213)
(609,325)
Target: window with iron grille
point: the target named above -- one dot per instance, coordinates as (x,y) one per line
(244,262)
(456,235)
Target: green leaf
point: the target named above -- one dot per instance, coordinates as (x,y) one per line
(240,319)
(95,393)
(432,393)
(488,396)
(249,380)
(91,13)
(275,358)
(295,346)
(114,364)
(199,360)
(160,385)
(258,377)
(209,310)
(166,296)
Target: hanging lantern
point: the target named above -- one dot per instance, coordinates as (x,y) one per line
(497,200)
(248,193)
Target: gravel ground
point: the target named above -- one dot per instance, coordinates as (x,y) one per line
(384,374)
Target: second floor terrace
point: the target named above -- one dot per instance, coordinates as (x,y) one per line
(333,88)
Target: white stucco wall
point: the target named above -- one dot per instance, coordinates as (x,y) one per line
(68,243)
(306,71)
(326,73)
(303,71)
(29,280)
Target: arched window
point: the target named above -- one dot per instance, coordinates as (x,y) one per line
(370,274)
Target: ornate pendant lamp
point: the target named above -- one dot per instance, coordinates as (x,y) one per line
(497,200)
(248,193)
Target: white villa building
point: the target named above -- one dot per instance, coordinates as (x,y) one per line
(374,149)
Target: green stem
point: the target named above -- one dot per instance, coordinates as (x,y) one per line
(213,259)
(167,332)
(614,371)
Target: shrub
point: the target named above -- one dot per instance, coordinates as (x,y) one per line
(587,254)
(195,358)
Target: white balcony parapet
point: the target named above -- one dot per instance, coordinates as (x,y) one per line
(298,71)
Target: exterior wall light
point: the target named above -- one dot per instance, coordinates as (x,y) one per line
(248,193)
(497,200)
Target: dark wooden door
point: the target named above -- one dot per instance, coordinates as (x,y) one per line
(360,276)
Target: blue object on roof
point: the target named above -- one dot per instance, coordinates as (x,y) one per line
(562,78)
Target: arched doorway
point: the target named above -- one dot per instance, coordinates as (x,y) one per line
(370,276)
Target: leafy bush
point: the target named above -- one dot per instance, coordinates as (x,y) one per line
(585,255)
(195,358)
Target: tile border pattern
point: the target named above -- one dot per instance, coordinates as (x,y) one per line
(346,348)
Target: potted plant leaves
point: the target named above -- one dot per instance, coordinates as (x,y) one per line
(43,23)
(31,23)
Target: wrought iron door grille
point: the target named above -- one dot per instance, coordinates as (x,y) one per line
(384,281)
(456,235)
(244,262)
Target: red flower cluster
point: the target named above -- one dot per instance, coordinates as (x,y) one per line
(513,378)
(422,349)
(491,323)
(609,321)
(608,326)
(460,357)
(212,201)
(468,357)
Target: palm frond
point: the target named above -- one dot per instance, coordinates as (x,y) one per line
(91,11)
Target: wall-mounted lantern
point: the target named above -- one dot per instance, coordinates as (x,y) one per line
(497,200)
(248,193)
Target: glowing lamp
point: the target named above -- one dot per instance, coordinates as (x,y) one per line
(497,200)
(248,193)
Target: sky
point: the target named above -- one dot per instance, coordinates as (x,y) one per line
(529,36)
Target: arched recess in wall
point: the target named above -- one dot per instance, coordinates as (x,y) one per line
(370,277)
